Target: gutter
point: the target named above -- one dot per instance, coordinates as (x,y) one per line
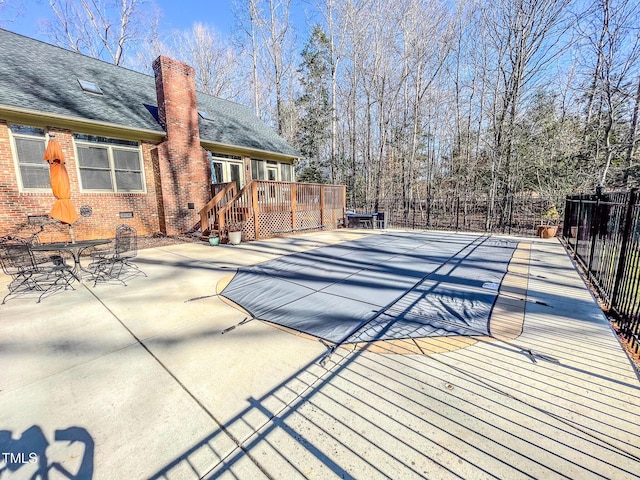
(235,148)
(38,118)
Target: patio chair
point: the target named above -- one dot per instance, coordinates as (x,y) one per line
(29,276)
(116,263)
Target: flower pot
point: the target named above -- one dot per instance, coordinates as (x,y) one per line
(235,238)
(214,240)
(547,231)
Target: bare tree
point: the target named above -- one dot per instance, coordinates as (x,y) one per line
(250,46)
(612,79)
(213,60)
(101,29)
(632,138)
(267,39)
(524,36)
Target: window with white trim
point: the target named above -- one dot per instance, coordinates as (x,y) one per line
(258,169)
(286,172)
(29,143)
(109,164)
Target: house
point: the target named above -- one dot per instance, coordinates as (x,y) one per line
(139,149)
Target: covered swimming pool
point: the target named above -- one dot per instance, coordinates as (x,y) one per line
(394,285)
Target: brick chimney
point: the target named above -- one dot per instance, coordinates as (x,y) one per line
(183,165)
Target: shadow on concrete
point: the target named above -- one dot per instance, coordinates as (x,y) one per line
(32,455)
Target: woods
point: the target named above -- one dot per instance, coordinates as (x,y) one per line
(412,100)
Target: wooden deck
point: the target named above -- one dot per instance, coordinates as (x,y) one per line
(265,209)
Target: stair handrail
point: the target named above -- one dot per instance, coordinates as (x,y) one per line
(213,205)
(222,212)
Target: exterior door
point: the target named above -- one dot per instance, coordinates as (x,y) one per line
(235,174)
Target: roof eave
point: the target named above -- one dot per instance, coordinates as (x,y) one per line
(249,150)
(38,118)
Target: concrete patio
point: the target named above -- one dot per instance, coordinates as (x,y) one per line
(138,382)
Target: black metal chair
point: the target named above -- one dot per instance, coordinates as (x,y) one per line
(27,275)
(116,263)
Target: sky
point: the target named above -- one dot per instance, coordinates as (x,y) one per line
(25,16)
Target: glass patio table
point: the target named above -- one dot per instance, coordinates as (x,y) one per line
(75,249)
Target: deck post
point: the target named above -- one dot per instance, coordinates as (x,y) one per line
(256,209)
(294,206)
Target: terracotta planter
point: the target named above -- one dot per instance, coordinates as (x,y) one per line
(547,231)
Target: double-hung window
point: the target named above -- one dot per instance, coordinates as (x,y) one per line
(285,172)
(258,169)
(29,144)
(109,165)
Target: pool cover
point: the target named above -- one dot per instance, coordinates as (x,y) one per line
(387,286)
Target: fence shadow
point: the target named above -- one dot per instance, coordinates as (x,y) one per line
(487,411)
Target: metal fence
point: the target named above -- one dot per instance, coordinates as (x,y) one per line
(517,214)
(603,231)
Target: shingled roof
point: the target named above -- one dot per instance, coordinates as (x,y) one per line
(38,77)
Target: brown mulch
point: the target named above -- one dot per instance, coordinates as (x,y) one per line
(634,355)
(161,240)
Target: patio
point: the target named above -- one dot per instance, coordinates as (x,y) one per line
(139,382)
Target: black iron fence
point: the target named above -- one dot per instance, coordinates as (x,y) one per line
(517,214)
(603,231)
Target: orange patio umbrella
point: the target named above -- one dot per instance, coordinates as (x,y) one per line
(62,209)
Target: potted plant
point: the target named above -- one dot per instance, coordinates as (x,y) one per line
(549,227)
(235,233)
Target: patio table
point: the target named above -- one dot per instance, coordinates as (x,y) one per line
(362,220)
(75,249)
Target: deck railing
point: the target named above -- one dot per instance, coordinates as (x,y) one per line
(603,231)
(264,209)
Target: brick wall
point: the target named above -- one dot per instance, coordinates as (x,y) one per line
(177,172)
(183,167)
(15,206)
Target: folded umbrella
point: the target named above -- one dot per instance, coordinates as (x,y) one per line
(62,209)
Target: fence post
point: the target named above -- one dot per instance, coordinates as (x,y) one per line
(595,227)
(566,232)
(510,203)
(572,209)
(579,222)
(623,247)
(322,206)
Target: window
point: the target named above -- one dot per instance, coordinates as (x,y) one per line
(258,170)
(285,171)
(109,164)
(29,142)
